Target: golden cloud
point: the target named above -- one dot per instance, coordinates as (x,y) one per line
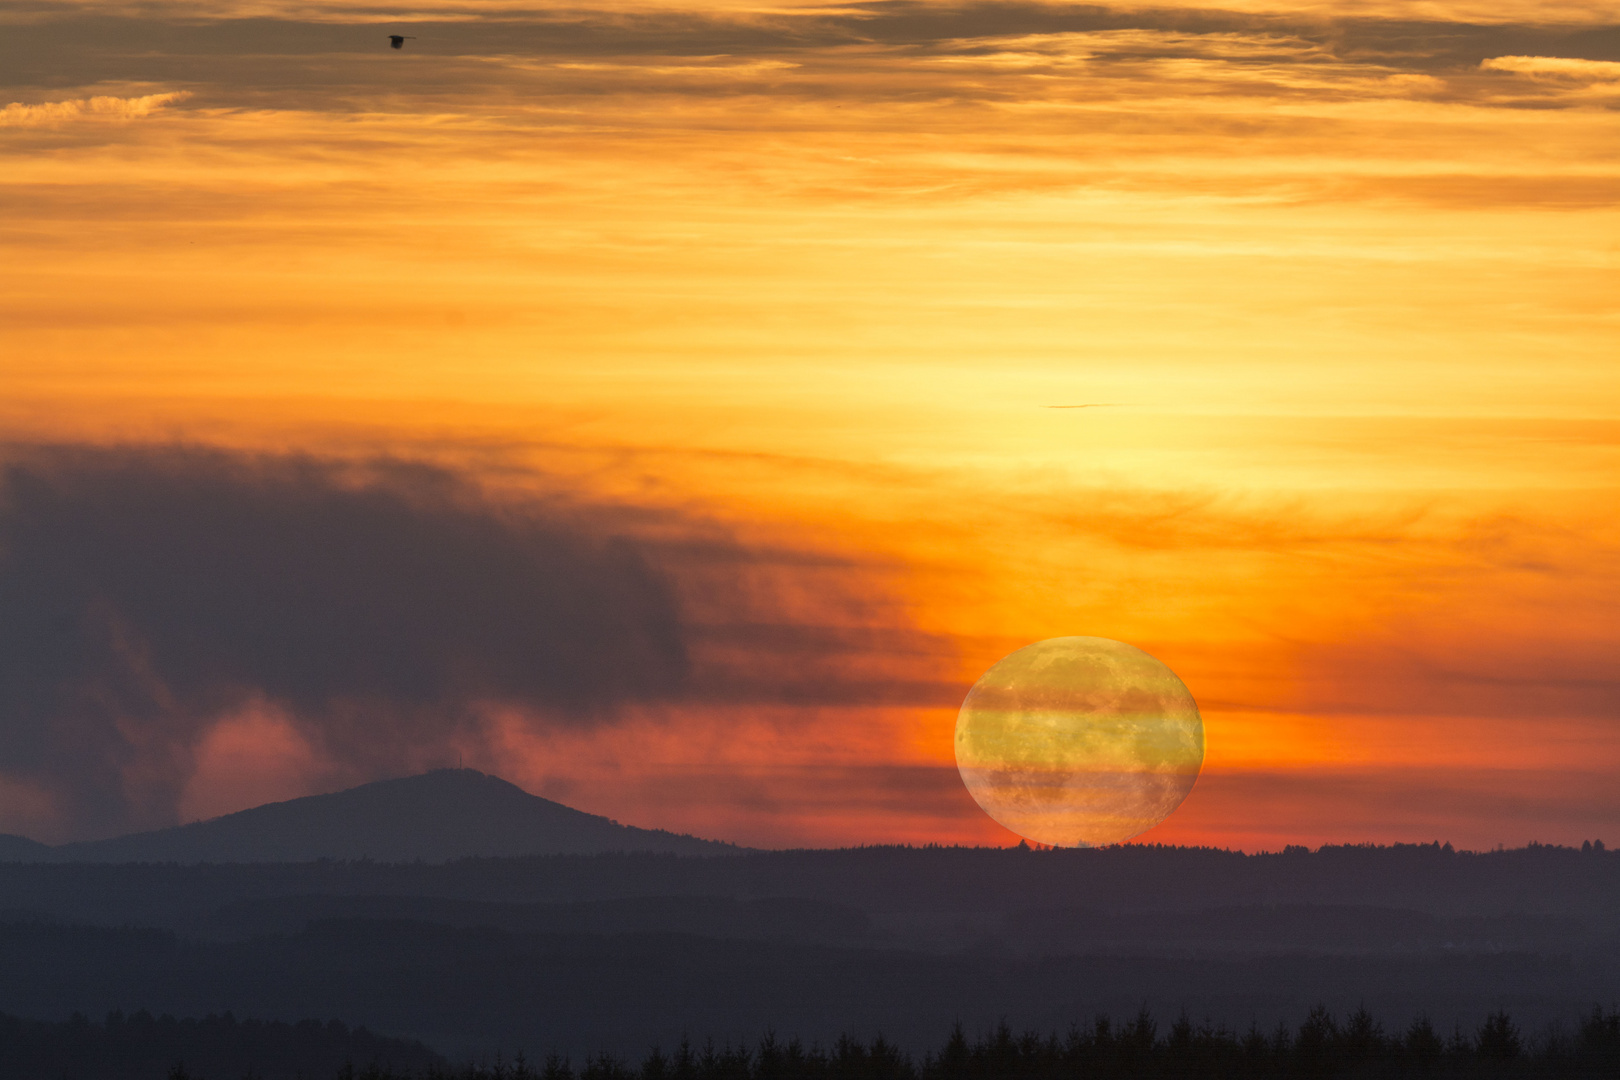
(1561,67)
(101,107)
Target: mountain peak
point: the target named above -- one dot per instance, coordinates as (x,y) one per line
(434,816)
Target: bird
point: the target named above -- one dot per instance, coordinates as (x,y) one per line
(398,40)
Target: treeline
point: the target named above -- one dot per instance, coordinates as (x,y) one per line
(1358,1047)
(1580,882)
(143,1047)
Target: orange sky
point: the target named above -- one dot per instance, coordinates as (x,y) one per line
(1343,289)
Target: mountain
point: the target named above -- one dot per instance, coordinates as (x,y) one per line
(435,817)
(22,849)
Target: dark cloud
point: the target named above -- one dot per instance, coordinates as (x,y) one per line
(333,64)
(146,592)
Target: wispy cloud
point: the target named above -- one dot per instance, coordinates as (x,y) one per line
(1561,67)
(1561,80)
(17,114)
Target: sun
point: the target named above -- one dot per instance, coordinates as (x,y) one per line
(1079,741)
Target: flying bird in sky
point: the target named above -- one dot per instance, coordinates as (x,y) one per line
(398,40)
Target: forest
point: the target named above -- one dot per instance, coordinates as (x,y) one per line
(619,952)
(221,1048)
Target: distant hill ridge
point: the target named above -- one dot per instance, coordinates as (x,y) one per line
(22,849)
(434,817)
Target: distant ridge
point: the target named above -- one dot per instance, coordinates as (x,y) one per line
(22,849)
(434,817)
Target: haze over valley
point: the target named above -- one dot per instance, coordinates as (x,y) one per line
(658,937)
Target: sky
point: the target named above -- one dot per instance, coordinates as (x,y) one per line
(673,408)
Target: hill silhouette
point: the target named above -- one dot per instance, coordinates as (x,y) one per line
(437,816)
(22,849)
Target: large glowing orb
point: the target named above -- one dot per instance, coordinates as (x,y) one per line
(1079,741)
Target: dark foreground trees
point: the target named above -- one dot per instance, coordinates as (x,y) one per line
(1323,1046)
(142,1047)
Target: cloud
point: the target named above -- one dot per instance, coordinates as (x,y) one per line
(1555,66)
(488,61)
(1559,78)
(148,596)
(90,108)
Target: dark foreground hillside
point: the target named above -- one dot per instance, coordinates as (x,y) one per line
(142,1046)
(1359,1046)
(1321,1047)
(468,990)
(618,952)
